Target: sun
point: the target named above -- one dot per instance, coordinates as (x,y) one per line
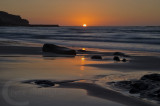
(83,48)
(84,25)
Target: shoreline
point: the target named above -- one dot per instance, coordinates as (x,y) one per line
(92,90)
(100,92)
(135,63)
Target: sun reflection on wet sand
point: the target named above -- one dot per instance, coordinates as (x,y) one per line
(82,59)
(58,68)
(82,67)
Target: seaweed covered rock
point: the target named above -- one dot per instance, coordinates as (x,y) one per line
(44,83)
(148,86)
(153,77)
(124,84)
(138,86)
(58,49)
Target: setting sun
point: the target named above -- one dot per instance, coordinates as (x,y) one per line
(84,25)
(83,48)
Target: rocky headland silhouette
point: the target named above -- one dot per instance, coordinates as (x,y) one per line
(7,19)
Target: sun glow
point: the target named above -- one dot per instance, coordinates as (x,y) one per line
(83,59)
(83,48)
(84,25)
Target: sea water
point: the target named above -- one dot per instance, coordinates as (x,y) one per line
(132,38)
(15,69)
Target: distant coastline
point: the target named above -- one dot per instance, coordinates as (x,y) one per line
(30,25)
(42,25)
(10,20)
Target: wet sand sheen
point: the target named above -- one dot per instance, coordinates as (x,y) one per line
(97,91)
(72,68)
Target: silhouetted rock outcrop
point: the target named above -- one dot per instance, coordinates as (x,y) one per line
(148,86)
(138,86)
(116,58)
(82,51)
(44,83)
(47,83)
(124,60)
(153,77)
(7,19)
(120,54)
(58,49)
(12,20)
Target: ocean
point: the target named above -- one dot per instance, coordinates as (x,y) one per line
(93,78)
(132,38)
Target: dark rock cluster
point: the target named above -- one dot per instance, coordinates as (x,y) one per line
(148,86)
(116,58)
(58,49)
(47,83)
(12,20)
(118,55)
(44,83)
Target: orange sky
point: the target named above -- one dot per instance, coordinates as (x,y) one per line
(90,12)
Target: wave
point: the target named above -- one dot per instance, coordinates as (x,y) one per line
(131,36)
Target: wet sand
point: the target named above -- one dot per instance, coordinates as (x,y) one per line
(20,50)
(37,66)
(98,91)
(136,63)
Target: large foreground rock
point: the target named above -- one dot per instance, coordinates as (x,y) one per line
(58,49)
(12,20)
(148,86)
(153,77)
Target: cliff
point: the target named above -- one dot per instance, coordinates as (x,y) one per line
(12,20)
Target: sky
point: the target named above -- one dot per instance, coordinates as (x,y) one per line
(90,12)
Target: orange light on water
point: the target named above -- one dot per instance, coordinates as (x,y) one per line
(84,25)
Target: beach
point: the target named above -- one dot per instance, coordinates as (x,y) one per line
(79,53)
(80,80)
(96,75)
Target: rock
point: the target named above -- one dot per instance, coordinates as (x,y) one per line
(116,58)
(119,54)
(42,25)
(124,60)
(44,83)
(96,57)
(124,84)
(156,93)
(134,91)
(12,20)
(58,49)
(138,86)
(81,50)
(153,77)
(148,86)
(152,94)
